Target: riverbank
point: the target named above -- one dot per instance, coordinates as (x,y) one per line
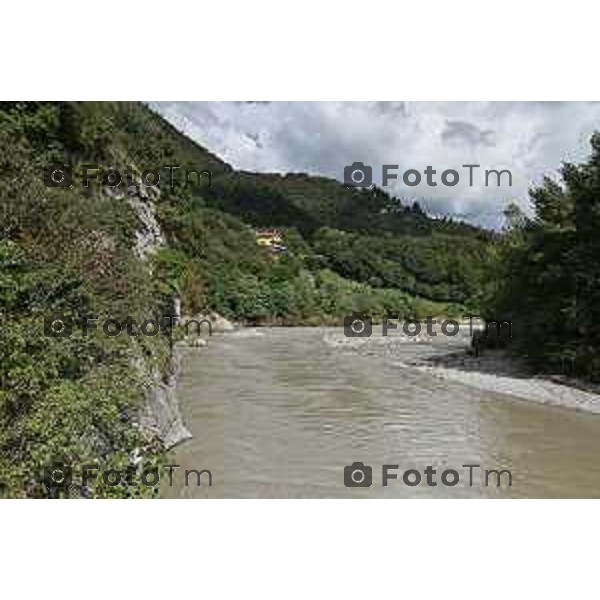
(495,371)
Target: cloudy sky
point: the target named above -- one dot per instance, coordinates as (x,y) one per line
(530,139)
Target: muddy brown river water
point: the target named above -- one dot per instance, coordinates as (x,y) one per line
(279,413)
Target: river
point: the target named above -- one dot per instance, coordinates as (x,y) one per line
(279,413)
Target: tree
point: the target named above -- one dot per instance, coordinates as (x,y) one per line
(549,270)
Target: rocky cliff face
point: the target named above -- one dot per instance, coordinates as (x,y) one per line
(161,413)
(141,199)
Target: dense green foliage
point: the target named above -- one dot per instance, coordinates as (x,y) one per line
(549,276)
(66,400)
(76,399)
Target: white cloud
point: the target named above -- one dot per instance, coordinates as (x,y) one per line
(529,138)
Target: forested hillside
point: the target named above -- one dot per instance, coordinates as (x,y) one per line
(391,246)
(76,251)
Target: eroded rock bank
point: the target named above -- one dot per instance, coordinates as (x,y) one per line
(161,413)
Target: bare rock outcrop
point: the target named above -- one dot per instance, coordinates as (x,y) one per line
(160,413)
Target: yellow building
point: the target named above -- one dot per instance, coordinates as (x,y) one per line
(268,237)
(271,240)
